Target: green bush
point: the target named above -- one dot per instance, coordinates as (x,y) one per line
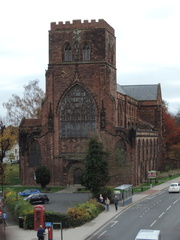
(22,208)
(16,204)
(85,212)
(57,218)
(29,220)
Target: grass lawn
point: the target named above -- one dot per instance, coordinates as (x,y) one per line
(12,174)
(12,180)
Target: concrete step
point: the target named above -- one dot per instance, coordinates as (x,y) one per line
(71,188)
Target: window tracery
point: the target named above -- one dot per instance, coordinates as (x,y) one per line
(77,113)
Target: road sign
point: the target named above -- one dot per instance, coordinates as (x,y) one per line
(48,224)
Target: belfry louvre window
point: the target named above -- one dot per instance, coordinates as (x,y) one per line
(86,53)
(77,113)
(67,53)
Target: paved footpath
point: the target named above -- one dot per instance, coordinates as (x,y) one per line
(84,232)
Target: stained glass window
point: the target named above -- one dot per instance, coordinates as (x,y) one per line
(77,113)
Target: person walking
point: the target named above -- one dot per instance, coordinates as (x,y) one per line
(101,198)
(107,202)
(40,233)
(116,200)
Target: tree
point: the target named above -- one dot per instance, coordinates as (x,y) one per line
(43,176)
(172,131)
(8,137)
(96,174)
(29,106)
(172,137)
(177,117)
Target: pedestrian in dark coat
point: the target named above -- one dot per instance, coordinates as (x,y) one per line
(116,200)
(40,233)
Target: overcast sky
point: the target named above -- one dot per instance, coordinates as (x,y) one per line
(147,41)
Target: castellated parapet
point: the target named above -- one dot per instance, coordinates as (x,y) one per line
(78,24)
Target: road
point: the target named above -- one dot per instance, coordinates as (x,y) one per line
(159,211)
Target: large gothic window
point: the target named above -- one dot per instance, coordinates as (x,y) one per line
(34,154)
(77,113)
(86,53)
(67,53)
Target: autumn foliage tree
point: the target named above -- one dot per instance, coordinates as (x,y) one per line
(172,136)
(177,117)
(8,137)
(29,106)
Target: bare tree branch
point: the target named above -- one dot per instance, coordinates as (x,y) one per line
(28,106)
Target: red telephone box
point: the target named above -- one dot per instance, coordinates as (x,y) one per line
(39,216)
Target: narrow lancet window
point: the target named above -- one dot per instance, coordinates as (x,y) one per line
(86,53)
(67,53)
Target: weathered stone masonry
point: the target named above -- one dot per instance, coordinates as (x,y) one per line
(83,98)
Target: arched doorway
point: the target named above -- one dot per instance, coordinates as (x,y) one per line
(77,176)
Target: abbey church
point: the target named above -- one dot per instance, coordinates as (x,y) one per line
(83,99)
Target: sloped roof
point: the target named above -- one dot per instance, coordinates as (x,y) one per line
(140,92)
(30,122)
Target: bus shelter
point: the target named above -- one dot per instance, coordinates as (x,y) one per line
(126,191)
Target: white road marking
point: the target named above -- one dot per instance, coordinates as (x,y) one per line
(161,193)
(150,197)
(168,208)
(161,215)
(102,234)
(153,223)
(114,222)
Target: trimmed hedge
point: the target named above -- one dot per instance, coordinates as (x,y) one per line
(50,217)
(58,217)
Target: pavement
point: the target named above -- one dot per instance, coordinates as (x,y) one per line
(87,230)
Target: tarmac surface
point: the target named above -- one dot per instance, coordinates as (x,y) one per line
(84,232)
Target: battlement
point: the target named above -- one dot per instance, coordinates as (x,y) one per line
(78,24)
